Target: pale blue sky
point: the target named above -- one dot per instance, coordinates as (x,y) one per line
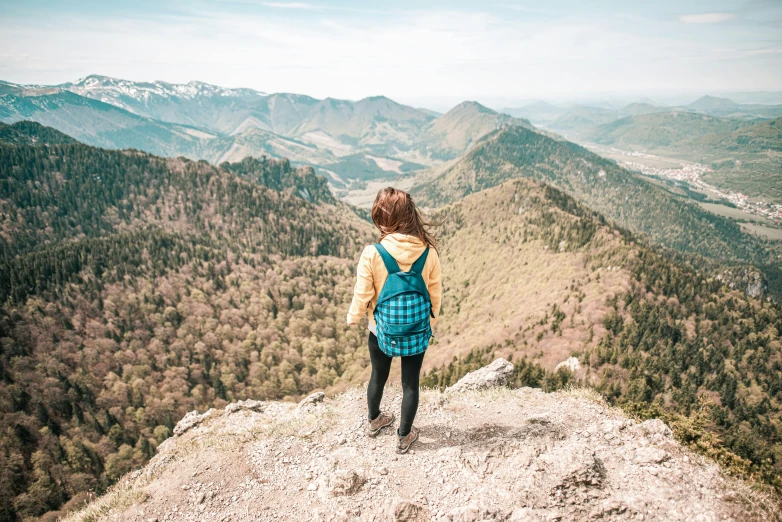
(406,50)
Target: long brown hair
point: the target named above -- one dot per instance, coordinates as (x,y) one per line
(395,212)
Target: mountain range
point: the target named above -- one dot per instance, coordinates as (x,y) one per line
(345,140)
(351,143)
(728,108)
(580,118)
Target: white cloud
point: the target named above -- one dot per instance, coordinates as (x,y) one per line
(706,18)
(444,54)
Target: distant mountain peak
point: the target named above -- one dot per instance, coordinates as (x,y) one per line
(472,105)
(712,102)
(378,98)
(466,123)
(92,79)
(641,105)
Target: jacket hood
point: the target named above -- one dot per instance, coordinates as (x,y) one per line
(405,249)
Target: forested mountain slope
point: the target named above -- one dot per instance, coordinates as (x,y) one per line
(600,184)
(137,288)
(280,176)
(538,277)
(31,133)
(100,124)
(759,138)
(70,191)
(661,129)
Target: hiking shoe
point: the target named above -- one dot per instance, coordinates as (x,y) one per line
(405,442)
(382,420)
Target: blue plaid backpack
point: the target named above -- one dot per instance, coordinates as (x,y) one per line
(403,308)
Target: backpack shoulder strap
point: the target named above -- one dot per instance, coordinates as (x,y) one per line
(418,266)
(391,265)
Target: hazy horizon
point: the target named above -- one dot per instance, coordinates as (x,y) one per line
(424,55)
(443,104)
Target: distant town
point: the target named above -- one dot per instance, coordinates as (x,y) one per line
(691,173)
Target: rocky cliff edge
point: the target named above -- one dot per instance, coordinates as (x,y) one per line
(486,452)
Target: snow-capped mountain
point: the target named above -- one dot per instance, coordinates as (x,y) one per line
(97,123)
(117,89)
(193,103)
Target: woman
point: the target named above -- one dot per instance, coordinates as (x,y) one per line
(404,239)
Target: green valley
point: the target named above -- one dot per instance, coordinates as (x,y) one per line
(742,156)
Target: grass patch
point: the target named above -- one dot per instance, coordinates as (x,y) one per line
(118,498)
(585,392)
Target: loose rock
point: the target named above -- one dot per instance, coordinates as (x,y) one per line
(495,374)
(468,513)
(190,420)
(407,511)
(345,482)
(650,455)
(310,402)
(571,363)
(249,404)
(655,429)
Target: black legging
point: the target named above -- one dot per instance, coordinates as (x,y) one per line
(411,370)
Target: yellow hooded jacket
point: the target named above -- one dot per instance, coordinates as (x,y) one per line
(371,275)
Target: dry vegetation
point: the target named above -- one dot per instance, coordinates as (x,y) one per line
(511,278)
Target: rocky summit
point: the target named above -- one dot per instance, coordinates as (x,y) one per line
(485,453)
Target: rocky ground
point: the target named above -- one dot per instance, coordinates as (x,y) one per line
(484,454)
